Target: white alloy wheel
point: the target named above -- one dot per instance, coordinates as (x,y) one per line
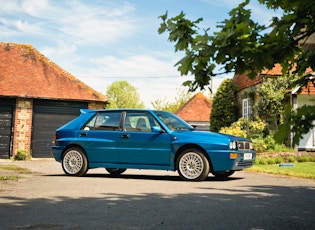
(193,165)
(74,162)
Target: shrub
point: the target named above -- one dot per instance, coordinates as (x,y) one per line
(259,145)
(304,159)
(224,106)
(291,159)
(21,155)
(278,160)
(236,131)
(270,143)
(271,161)
(261,161)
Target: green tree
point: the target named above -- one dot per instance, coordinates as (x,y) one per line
(224,106)
(272,100)
(242,45)
(181,98)
(122,94)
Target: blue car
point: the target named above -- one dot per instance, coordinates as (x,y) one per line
(119,139)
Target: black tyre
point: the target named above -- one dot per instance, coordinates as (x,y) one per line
(192,165)
(223,175)
(115,171)
(74,162)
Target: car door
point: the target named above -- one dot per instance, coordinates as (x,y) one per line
(100,137)
(140,145)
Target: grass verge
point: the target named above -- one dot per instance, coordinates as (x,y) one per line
(301,170)
(12,172)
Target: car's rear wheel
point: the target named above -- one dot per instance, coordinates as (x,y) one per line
(115,171)
(192,165)
(223,175)
(74,162)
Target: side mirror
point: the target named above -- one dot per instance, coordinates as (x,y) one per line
(157,129)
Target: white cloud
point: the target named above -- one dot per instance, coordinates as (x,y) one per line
(75,21)
(138,65)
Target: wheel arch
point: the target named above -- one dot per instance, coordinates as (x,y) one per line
(74,146)
(189,146)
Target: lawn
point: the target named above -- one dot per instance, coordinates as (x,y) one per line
(300,169)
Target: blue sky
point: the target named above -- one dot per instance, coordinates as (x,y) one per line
(102,41)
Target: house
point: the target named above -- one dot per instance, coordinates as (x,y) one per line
(37,97)
(196,111)
(246,97)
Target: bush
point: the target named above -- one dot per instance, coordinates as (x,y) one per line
(261,161)
(224,106)
(259,145)
(236,131)
(21,155)
(291,159)
(271,161)
(278,160)
(270,143)
(304,159)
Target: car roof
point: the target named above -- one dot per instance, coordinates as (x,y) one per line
(118,110)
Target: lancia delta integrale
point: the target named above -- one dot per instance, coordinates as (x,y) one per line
(121,139)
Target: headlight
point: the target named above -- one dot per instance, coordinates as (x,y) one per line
(233,145)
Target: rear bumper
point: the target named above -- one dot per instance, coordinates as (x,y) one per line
(57,152)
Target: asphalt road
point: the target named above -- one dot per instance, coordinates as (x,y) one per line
(146,199)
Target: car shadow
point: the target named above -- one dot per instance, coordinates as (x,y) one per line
(146,177)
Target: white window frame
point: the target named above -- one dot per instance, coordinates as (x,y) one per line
(246,108)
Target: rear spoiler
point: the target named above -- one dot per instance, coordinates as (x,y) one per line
(84,111)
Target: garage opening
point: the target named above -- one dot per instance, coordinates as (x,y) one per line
(47,117)
(6,127)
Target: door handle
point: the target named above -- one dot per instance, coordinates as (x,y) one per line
(125,135)
(83,134)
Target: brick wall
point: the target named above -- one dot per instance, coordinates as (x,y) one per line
(23,125)
(96,105)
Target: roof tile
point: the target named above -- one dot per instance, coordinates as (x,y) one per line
(198,108)
(25,72)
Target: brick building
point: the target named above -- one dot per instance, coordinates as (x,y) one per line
(37,97)
(247,97)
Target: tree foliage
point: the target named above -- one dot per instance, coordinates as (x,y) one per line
(122,94)
(224,106)
(181,98)
(242,45)
(272,100)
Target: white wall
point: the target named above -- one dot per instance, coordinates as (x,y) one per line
(308,141)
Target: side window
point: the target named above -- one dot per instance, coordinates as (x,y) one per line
(104,121)
(139,122)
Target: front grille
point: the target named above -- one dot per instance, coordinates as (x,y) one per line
(244,145)
(245,163)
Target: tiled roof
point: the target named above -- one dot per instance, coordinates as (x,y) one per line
(244,82)
(198,108)
(25,72)
(310,89)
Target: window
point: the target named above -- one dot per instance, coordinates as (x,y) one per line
(247,108)
(104,121)
(139,122)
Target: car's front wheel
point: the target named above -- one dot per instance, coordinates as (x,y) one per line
(193,165)
(74,162)
(115,171)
